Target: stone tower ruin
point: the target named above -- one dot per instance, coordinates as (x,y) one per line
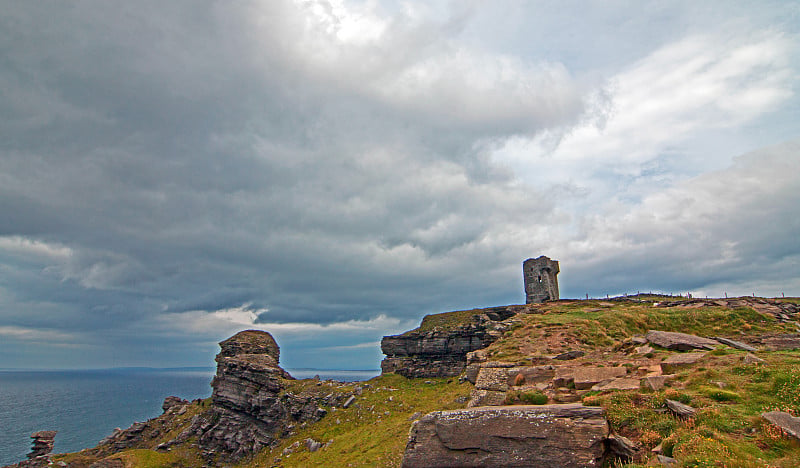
(541,284)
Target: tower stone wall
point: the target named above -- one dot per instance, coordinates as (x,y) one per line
(541,284)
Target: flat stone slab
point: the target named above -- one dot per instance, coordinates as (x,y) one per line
(679,341)
(587,377)
(677,362)
(554,436)
(782,342)
(752,359)
(680,409)
(735,344)
(531,374)
(785,421)
(569,355)
(656,382)
(618,384)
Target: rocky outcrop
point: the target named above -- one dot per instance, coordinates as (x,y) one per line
(39,456)
(172,402)
(441,352)
(679,341)
(678,362)
(555,436)
(782,311)
(249,410)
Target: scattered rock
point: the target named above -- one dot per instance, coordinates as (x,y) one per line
(312,445)
(569,355)
(677,362)
(620,447)
(638,339)
(735,344)
(782,342)
(550,435)
(587,377)
(643,349)
(349,401)
(617,384)
(563,376)
(666,461)
(679,341)
(172,401)
(679,409)
(752,359)
(788,423)
(656,382)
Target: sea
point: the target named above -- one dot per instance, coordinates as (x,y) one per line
(85,406)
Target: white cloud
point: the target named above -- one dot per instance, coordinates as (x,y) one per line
(698,84)
(736,227)
(47,336)
(232,320)
(36,249)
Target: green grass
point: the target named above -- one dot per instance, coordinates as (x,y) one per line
(447,320)
(727,429)
(729,396)
(589,325)
(363,434)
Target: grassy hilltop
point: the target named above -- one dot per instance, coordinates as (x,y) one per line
(728,394)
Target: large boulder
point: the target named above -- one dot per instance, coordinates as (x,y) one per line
(785,421)
(678,362)
(679,341)
(554,436)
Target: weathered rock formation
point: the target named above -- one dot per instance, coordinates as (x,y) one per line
(555,436)
(39,455)
(782,311)
(249,408)
(541,284)
(442,352)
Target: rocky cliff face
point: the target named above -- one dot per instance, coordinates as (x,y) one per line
(441,350)
(250,406)
(250,409)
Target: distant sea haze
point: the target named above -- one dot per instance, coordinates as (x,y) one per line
(85,406)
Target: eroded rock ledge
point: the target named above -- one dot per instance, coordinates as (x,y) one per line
(250,406)
(555,436)
(441,351)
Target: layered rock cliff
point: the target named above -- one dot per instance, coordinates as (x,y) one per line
(439,347)
(250,409)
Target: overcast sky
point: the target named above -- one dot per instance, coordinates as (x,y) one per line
(331,171)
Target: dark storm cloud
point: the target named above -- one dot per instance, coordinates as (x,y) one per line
(202,157)
(171,173)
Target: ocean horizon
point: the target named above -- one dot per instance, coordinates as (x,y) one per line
(86,405)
